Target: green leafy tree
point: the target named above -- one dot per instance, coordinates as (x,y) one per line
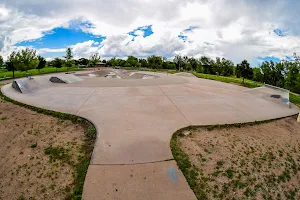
(69,58)
(132,61)
(258,75)
(144,63)
(42,63)
(193,62)
(199,68)
(1,61)
(82,61)
(245,70)
(178,60)
(155,62)
(94,59)
(25,59)
(168,65)
(292,76)
(9,65)
(226,67)
(206,65)
(112,62)
(57,63)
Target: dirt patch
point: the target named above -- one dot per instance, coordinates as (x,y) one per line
(250,162)
(37,154)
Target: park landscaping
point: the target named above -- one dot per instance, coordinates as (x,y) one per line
(44,154)
(4,74)
(241,161)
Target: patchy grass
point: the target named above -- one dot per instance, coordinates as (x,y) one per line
(3,118)
(250,161)
(45,154)
(47,70)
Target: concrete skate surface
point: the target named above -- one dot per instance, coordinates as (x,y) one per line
(135,120)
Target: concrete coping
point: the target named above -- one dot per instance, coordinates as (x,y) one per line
(276,88)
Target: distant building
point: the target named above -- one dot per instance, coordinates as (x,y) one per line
(82,66)
(100,64)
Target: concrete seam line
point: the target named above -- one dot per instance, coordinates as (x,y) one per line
(141,163)
(175,105)
(86,100)
(237,109)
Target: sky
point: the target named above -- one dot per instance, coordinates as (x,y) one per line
(234,29)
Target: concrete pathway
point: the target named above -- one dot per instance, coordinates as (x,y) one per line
(135,120)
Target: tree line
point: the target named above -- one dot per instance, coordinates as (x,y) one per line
(27,59)
(285,74)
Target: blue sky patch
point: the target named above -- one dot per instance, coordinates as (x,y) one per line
(61,38)
(183,37)
(280,33)
(147,31)
(269,58)
(191,28)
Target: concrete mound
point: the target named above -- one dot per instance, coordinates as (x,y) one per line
(66,78)
(184,74)
(26,85)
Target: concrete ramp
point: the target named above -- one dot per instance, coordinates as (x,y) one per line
(269,91)
(26,85)
(66,78)
(185,74)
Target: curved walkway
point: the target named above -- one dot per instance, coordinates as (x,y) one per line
(135,120)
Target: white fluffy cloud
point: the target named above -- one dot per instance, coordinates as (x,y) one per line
(235,29)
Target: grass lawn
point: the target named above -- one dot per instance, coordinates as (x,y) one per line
(295,99)
(171,71)
(248,83)
(47,70)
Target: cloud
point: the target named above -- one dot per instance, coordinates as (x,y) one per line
(235,29)
(48,50)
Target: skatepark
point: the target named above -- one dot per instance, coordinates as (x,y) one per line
(136,113)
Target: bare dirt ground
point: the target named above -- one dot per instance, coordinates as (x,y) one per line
(36,154)
(250,162)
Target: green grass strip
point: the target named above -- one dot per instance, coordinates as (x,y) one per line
(47,70)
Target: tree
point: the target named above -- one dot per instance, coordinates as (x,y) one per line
(155,62)
(245,70)
(178,60)
(226,68)
(257,75)
(69,58)
(94,59)
(1,61)
(42,63)
(193,62)
(292,75)
(9,65)
(57,63)
(144,63)
(168,65)
(132,61)
(206,65)
(25,59)
(82,61)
